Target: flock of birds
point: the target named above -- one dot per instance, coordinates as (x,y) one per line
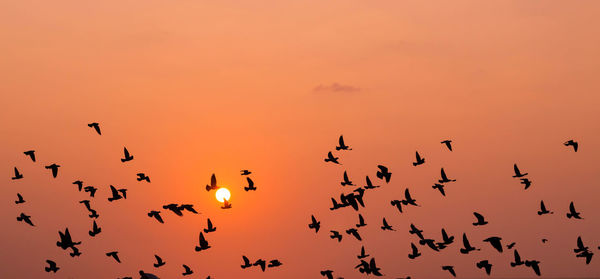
(367,264)
(66,241)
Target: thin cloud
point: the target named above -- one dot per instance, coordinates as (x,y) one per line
(336,87)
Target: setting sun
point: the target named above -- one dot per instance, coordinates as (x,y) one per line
(222,194)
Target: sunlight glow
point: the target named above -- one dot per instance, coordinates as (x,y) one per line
(223,194)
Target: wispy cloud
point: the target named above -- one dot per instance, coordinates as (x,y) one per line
(336,87)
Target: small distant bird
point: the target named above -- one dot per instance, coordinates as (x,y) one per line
(361,221)
(518,173)
(587,255)
(448,144)
(373,268)
(188,207)
(187,271)
(567,143)
(510,246)
(174,208)
(533,264)
(342,145)
(115,194)
(354,232)
(96,127)
(66,241)
(31,154)
(331,158)
(495,242)
(20,199)
(369,184)
(79,184)
(156,215)
(419,161)
(54,168)
(142,176)
(526,182)
(95,229)
(518,260)
(415,252)
(226,204)
(90,189)
(480,219)
(408,199)
(383,172)
(544,240)
(203,244)
(444,177)
(327,273)
(245,172)
(247,263)
(261,263)
(274,263)
(362,253)
(573,213)
(314,224)
(250,185)
(467,248)
(213,183)
(485,265)
(450,269)
(51,266)
(447,239)
(159,261)
(346,181)
(386,226)
(209,226)
(127,156)
(114,255)
(543,209)
(26,219)
(580,246)
(416,231)
(439,187)
(336,234)
(18,175)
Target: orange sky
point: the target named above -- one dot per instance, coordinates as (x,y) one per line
(193,88)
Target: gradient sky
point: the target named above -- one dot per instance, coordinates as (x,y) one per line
(193,88)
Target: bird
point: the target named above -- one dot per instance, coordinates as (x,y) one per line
(327,273)
(209,227)
(544,240)
(203,244)
(314,224)
(573,213)
(54,168)
(485,265)
(250,185)
(580,246)
(65,240)
(95,229)
(448,144)
(31,154)
(518,260)
(188,207)
(354,232)
(430,243)
(336,234)
(156,215)
(361,221)
(397,204)
(18,175)
(419,161)
(408,199)
(247,263)
(25,218)
(439,187)
(245,172)
(445,238)
(414,230)
(96,127)
(510,246)
(386,226)
(543,209)
(495,242)
(467,248)
(518,173)
(450,269)
(587,255)
(213,183)
(383,172)
(79,184)
(274,263)
(114,255)
(535,265)
(260,262)
(362,253)
(51,266)
(90,189)
(142,176)
(159,261)
(369,184)
(175,208)
(480,219)
(115,194)
(526,182)
(226,204)
(20,199)
(187,271)
(373,268)
(346,181)
(127,156)
(342,145)
(444,177)
(331,158)
(567,143)
(415,252)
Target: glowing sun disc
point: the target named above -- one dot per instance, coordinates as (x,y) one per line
(223,194)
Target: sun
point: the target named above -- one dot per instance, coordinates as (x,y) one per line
(222,194)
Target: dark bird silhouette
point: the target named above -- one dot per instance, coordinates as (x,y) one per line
(517,261)
(274,263)
(95,229)
(142,176)
(361,221)
(544,240)
(250,185)
(18,175)
(175,208)
(331,158)
(336,234)
(26,219)
(495,242)
(54,168)
(66,241)
(213,183)
(444,177)
(115,194)
(346,181)
(439,187)
(90,189)
(419,161)
(543,209)
(245,172)
(188,270)
(226,204)
(510,246)
(397,204)
(415,252)
(96,127)
(159,261)
(383,172)
(156,214)
(448,144)
(354,232)
(247,263)
(430,243)
(31,154)
(314,224)
(414,230)
(126,155)
(188,207)
(327,273)
(450,269)
(203,244)
(447,239)
(20,199)
(567,143)
(573,213)
(408,199)
(480,219)
(75,252)
(79,184)
(518,173)
(386,226)
(262,263)
(587,255)
(485,265)
(467,248)
(209,226)
(526,182)
(535,266)
(373,268)
(51,266)
(114,255)
(342,145)
(580,246)
(369,184)
(362,253)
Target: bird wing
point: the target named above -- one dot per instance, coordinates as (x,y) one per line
(444,177)
(466,240)
(250,182)
(213,181)
(125,152)
(345,176)
(572,207)
(517,172)
(418,156)
(114,190)
(209,223)
(478,216)
(341,140)
(407,194)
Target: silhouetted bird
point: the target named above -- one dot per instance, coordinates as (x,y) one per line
(450,269)
(327,273)
(448,144)
(415,252)
(156,215)
(79,184)
(188,270)
(115,194)
(90,189)
(114,255)
(26,219)
(467,248)
(346,181)
(495,242)
(247,263)
(544,240)
(535,266)
(95,229)
(567,143)
(18,175)
(480,219)
(447,239)
(274,263)
(369,184)
(408,199)
(226,204)
(96,127)
(573,213)
(518,173)
(203,244)
(331,158)
(188,207)
(142,176)
(342,145)
(373,268)
(245,172)
(20,199)
(173,207)
(386,226)
(54,168)
(159,261)
(439,187)
(126,155)
(66,241)
(526,182)
(361,221)
(209,226)
(397,204)
(354,232)
(262,263)
(444,177)
(517,261)
(587,255)
(580,246)
(485,265)
(51,266)
(362,253)
(383,172)
(510,246)
(314,224)
(31,154)
(416,231)
(543,209)
(419,161)
(250,185)
(430,243)
(213,183)
(336,234)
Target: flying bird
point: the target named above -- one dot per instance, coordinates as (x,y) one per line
(369,184)
(331,158)
(18,175)
(362,253)
(567,143)
(159,261)
(346,181)
(51,266)
(386,226)
(495,242)
(116,194)
(213,183)
(518,173)
(448,144)
(250,185)
(517,261)
(419,161)
(444,177)
(480,219)
(90,189)
(142,176)
(127,156)
(439,187)
(96,127)
(188,270)
(156,215)
(20,199)
(535,266)
(247,263)
(526,182)
(485,265)
(408,199)
(26,219)
(543,209)
(447,239)
(573,213)
(114,255)
(203,244)
(342,145)
(95,229)
(31,154)
(336,234)
(209,227)
(226,204)
(354,232)
(327,273)
(467,248)
(450,269)
(274,263)
(79,184)
(260,262)
(510,246)
(314,224)
(383,172)
(361,221)
(245,172)
(415,252)
(54,168)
